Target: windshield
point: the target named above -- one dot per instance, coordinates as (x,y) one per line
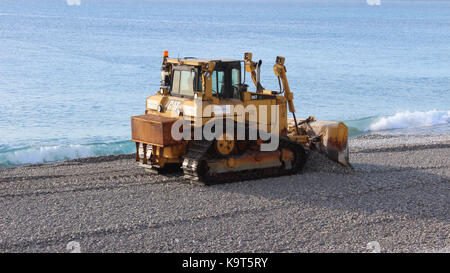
(184,82)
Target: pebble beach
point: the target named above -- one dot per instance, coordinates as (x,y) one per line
(395,199)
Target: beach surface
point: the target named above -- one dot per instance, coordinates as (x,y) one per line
(397,199)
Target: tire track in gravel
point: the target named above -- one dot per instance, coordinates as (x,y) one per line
(8,179)
(116,185)
(402,148)
(398,169)
(84,189)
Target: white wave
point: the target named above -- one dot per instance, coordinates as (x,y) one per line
(45,154)
(407,119)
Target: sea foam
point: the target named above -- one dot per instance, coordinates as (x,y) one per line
(407,119)
(45,154)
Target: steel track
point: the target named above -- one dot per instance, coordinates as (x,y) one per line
(196,160)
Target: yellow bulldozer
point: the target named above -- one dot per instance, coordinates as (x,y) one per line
(205,122)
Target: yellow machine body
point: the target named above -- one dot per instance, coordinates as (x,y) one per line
(203,90)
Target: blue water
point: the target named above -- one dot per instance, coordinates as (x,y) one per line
(72,75)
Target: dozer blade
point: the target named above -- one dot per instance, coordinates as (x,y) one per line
(329,138)
(333,140)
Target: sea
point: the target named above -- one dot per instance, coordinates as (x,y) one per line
(72,72)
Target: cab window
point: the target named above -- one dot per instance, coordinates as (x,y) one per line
(218,83)
(214,83)
(184,82)
(235,81)
(187,82)
(176,81)
(235,77)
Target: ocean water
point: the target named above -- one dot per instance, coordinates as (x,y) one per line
(72,72)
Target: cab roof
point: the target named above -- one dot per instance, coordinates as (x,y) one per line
(198,61)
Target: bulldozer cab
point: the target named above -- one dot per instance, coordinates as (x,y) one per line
(226,80)
(185,78)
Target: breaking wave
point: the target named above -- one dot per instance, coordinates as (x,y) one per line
(46,154)
(405,122)
(407,119)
